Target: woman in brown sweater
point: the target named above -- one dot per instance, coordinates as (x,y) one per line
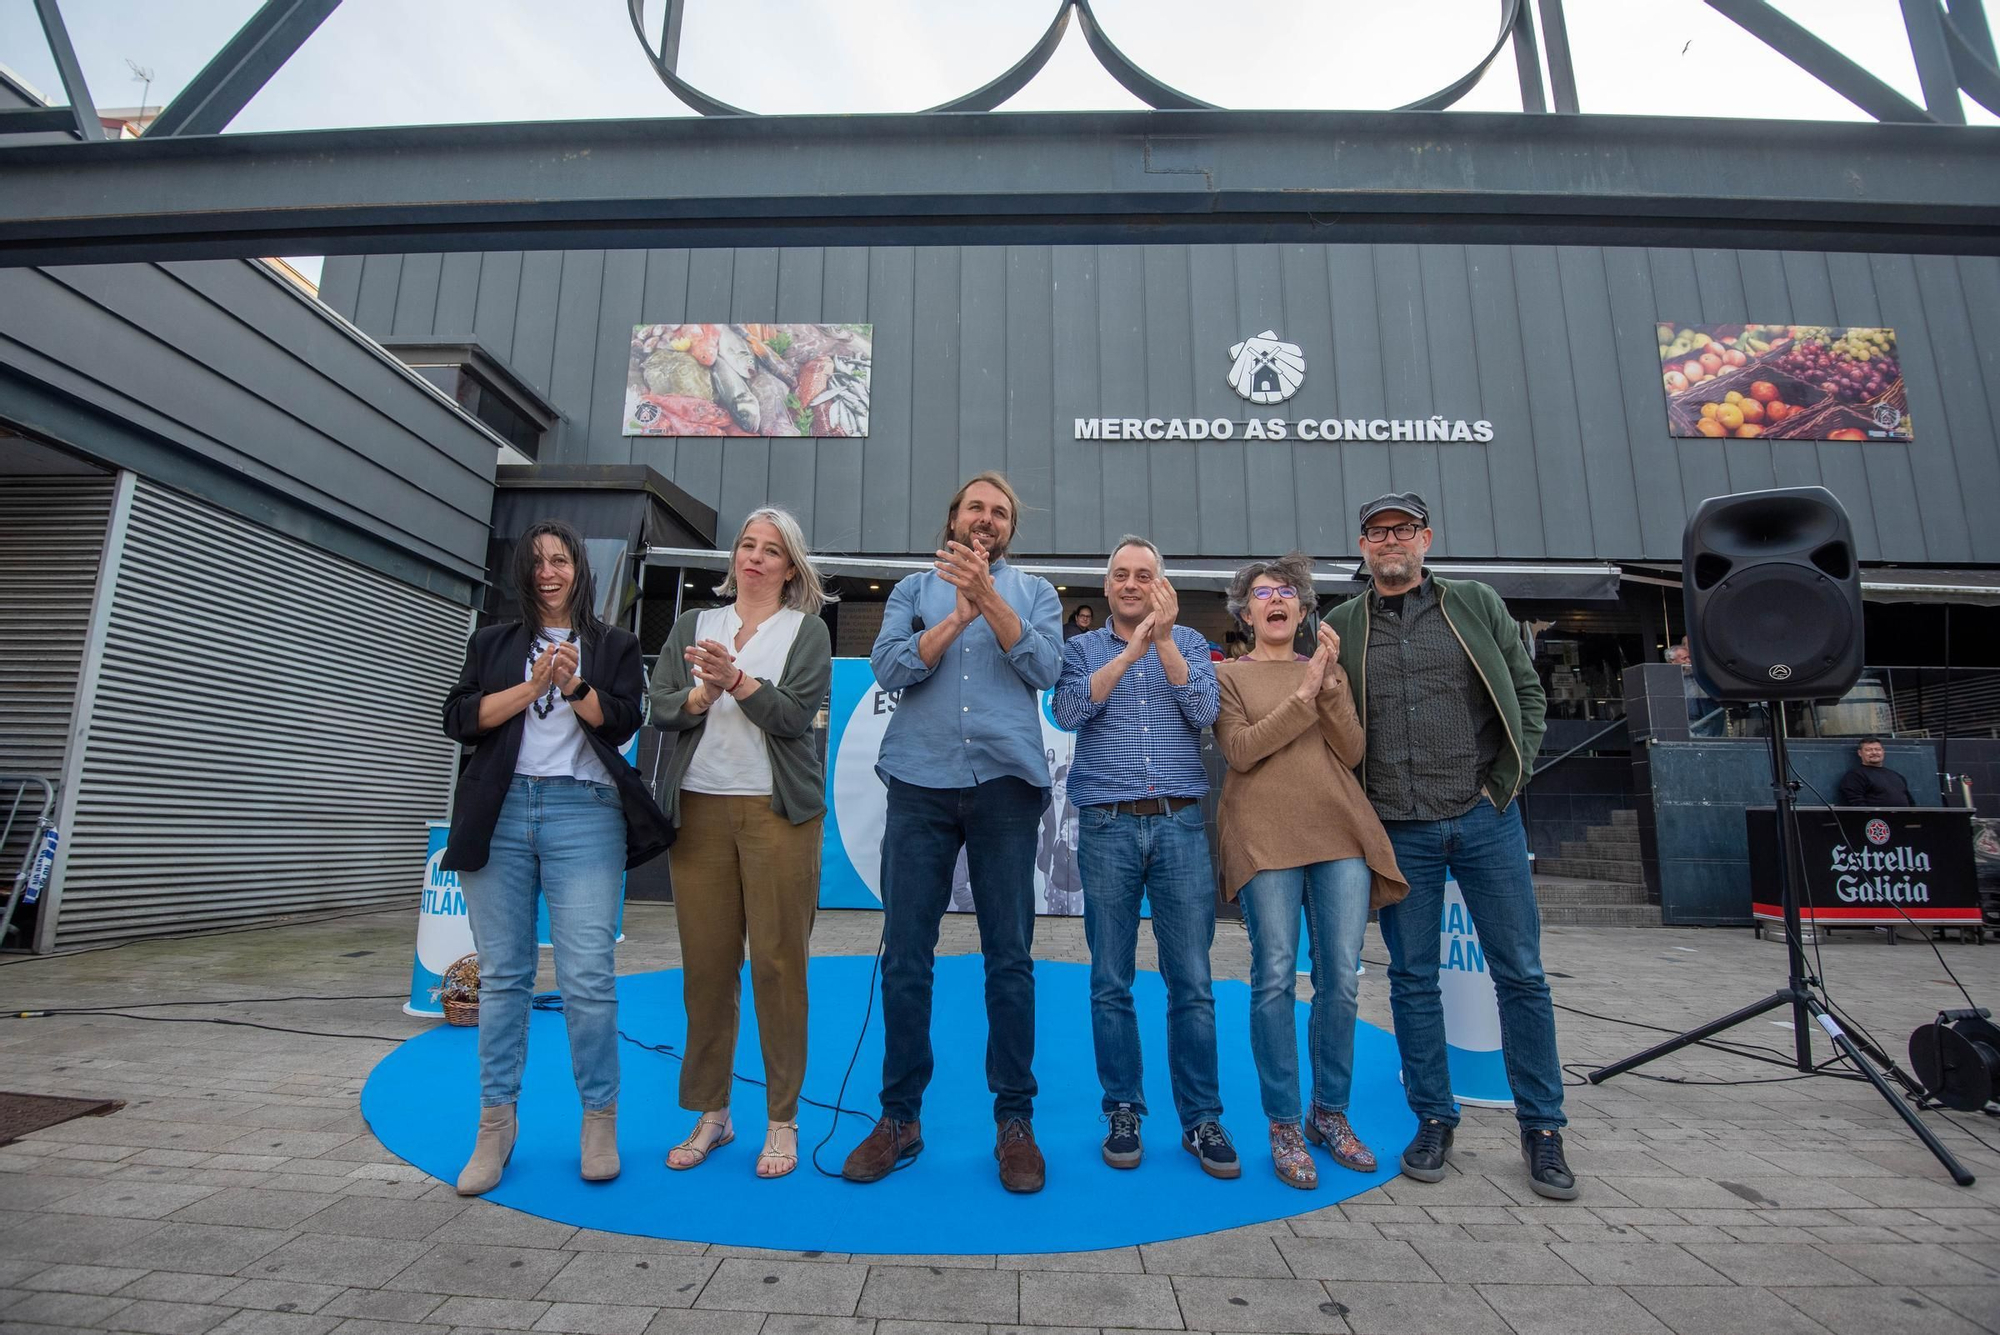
(1297,831)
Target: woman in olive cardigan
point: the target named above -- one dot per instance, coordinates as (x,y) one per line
(741,684)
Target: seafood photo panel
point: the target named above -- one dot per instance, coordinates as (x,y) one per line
(1783,382)
(748,380)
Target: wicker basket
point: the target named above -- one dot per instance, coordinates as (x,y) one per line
(459,994)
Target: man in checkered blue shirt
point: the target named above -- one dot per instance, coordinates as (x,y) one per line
(1137,693)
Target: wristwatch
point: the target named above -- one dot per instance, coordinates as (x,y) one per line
(582,689)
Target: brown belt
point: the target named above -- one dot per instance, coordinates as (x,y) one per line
(1152,806)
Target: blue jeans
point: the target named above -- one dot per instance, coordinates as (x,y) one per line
(1487,851)
(1126,859)
(1335,898)
(997,822)
(568,836)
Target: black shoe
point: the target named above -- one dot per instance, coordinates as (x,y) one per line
(1121,1143)
(1209,1143)
(1548,1171)
(1424,1159)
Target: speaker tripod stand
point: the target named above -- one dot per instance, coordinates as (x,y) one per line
(1799,991)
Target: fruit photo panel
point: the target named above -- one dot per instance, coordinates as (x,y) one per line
(748,380)
(1783,382)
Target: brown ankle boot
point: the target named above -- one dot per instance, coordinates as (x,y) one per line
(1021,1166)
(600,1144)
(490,1152)
(891,1144)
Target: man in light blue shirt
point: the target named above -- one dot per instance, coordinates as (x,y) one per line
(1138,693)
(970,644)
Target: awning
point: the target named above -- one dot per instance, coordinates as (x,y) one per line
(1564,581)
(1879,584)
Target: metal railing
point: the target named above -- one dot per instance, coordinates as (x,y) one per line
(23,785)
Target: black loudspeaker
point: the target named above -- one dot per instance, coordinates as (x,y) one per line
(1773,595)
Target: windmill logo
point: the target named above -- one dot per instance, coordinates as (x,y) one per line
(1265,369)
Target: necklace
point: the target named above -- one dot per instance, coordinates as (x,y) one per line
(546,705)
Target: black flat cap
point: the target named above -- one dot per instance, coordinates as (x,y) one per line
(1408,502)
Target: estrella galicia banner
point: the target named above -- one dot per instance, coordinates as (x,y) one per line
(850,875)
(749,380)
(1783,382)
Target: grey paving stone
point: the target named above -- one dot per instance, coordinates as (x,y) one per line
(1975,1302)
(65,1309)
(1072,1298)
(282,1295)
(175,1287)
(81,1279)
(1114,1259)
(33,1191)
(152,1317)
(385,1305)
(275,1323)
(941,1293)
(1624,1263)
(1723,1311)
(1913,1263)
(1354,1258)
(1289,1305)
(371,1217)
(1878,1311)
(499,1313)
(85,1239)
(494,1226)
(940,1328)
(482,1272)
(1239,1252)
(357,1325)
(805,1287)
(788,1323)
(1497,1263)
(255,1207)
(205,1248)
(596,1240)
(629,1278)
(1386,1307)
(686,1321)
(597,1319)
(344,1262)
(1535,1309)
(1771,1265)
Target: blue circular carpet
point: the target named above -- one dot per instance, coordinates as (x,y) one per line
(422,1103)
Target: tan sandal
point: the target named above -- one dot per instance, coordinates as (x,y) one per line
(692,1145)
(786,1161)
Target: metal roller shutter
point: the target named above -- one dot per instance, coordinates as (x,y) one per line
(264,733)
(51,539)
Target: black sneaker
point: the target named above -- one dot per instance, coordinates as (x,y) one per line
(1121,1144)
(1424,1159)
(1548,1171)
(1209,1143)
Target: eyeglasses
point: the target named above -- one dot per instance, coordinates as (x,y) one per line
(1381,532)
(1263,593)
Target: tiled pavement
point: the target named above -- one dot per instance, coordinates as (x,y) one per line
(240,1191)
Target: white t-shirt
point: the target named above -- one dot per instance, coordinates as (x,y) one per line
(553,744)
(731,760)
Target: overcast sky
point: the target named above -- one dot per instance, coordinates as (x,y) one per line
(397,62)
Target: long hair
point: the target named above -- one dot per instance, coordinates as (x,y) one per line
(999,483)
(804,591)
(581,606)
(1294,568)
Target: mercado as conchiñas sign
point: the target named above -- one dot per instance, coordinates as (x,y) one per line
(1266,370)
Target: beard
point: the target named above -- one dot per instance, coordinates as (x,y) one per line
(1395,566)
(991,535)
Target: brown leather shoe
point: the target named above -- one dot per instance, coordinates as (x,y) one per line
(1021,1166)
(888,1147)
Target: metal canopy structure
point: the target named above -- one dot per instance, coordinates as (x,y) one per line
(964,174)
(992,178)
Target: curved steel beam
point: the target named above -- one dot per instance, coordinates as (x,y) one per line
(1510,14)
(1023,70)
(1977,74)
(1159,96)
(697,100)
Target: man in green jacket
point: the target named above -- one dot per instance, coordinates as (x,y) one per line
(1454,716)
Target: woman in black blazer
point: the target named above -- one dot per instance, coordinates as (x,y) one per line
(546,802)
